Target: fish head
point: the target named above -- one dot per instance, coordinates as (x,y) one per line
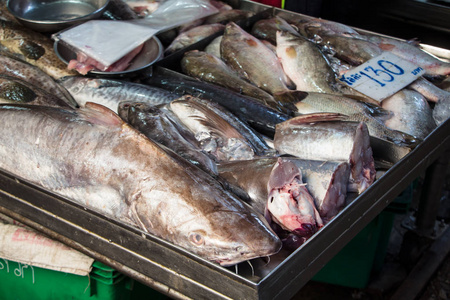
(290,204)
(225,232)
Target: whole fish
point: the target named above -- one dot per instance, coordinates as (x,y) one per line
(33,47)
(15,90)
(248,109)
(429,90)
(411,113)
(210,68)
(266,29)
(315,28)
(12,66)
(230,15)
(160,125)
(256,62)
(218,132)
(441,111)
(110,92)
(411,52)
(274,187)
(373,116)
(305,64)
(92,157)
(328,136)
(193,36)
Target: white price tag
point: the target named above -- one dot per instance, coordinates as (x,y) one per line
(382,76)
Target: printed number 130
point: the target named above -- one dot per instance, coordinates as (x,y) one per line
(384,64)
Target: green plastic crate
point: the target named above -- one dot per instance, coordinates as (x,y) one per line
(365,253)
(19,281)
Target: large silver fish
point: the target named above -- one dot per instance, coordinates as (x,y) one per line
(15,90)
(210,68)
(91,156)
(326,137)
(274,187)
(373,116)
(266,29)
(256,62)
(411,113)
(160,125)
(110,92)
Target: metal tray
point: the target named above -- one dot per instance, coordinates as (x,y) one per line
(180,274)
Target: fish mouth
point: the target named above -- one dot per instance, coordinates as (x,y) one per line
(305,230)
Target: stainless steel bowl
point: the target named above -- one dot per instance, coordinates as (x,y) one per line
(55,15)
(151,52)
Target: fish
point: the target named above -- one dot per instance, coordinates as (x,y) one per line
(230,15)
(315,28)
(441,111)
(329,137)
(33,47)
(14,67)
(249,110)
(213,48)
(193,36)
(93,158)
(254,61)
(120,10)
(411,113)
(373,116)
(274,187)
(327,183)
(159,124)
(218,132)
(429,90)
(410,51)
(352,50)
(15,90)
(110,92)
(266,29)
(305,64)
(210,68)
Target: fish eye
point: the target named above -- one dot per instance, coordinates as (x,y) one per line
(196,238)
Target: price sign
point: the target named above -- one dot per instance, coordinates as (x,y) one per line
(382,76)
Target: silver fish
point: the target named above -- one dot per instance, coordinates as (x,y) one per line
(92,157)
(274,187)
(110,92)
(256,62)
(327,137)
(192,36)
(266,29)
(213,48)
(305,64)
(159,124)
(411,113)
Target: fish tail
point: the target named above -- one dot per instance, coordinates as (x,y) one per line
(288,99)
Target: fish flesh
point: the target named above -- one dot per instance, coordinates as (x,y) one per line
(14,67)
(210,68)
(266,29)
(254,61)
(92,157)
(110,92)
(274,187)
(328,137)
(372,115)
(218,132)
(15,90)
(33,47)
(247,109)
(305,64)
(193,36)
(159,124)
(411,113)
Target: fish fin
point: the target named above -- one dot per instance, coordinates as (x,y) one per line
(99,114)
(317,117)
(288,99)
